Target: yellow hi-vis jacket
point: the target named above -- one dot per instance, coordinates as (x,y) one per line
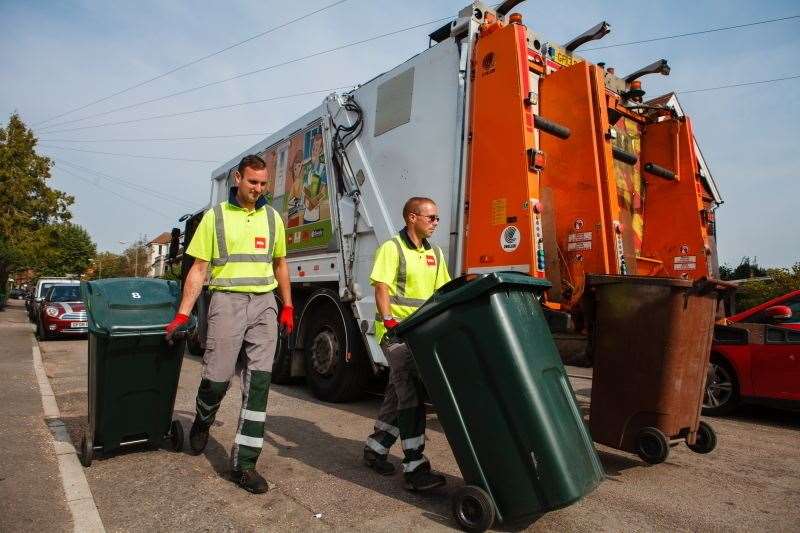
(412,275)
(240,245)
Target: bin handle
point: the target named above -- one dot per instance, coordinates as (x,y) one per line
(457,283)
(706,285)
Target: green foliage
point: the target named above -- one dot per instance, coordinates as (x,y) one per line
(747,268)
(62,249)
(27,205)
(756,292)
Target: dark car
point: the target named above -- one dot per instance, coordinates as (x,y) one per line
(62,312)
(755,358)
(17,294)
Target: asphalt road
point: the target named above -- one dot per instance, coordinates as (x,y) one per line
(312,456)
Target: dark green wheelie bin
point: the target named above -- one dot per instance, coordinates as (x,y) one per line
(491,368)
(133,370)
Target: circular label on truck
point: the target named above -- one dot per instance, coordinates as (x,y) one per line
(510,239)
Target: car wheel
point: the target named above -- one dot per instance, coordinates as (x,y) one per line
(721,394)
(41,333)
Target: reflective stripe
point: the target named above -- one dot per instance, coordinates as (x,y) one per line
(244,440)
(413,443)
(206,417)
(270,231)
(207,407)
(240,258)
(219,226)
(255,416)
(388,428)
(413,465)
(238,282)
(402,270)
(409,302)
(377,447)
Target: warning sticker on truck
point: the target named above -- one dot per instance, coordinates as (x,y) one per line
(685,259)
(684,266)
(574,246)
(580,237)
(510,239)
(499,212)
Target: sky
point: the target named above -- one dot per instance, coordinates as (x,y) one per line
(57,56)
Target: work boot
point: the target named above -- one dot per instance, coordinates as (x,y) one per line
(378,463)
(423,479)
(250,480)
(198,436)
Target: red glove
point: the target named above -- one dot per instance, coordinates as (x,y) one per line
(179,320)
(286,319)
(391,323)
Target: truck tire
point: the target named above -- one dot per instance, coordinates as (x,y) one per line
(335,362)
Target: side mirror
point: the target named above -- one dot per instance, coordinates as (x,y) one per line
(778,313)
(174,243)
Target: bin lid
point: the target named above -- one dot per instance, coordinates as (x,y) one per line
(603,279)
(129,305)
(470,287)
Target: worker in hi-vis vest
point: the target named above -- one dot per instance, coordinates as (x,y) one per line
(244,240)
(407,271)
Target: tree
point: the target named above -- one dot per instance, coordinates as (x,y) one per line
(136,259)
(27,204)
(747,268)
(63,249)
(782,281)
(106,265)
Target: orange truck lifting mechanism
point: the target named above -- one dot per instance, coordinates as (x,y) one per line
(592,180)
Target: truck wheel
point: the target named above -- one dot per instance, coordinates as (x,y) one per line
(335,371)
(706,439)
(473,508)
(652,445)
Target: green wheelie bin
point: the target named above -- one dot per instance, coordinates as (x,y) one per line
(489,363)
(133,370)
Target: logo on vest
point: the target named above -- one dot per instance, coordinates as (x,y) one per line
(261,242)
(431,260)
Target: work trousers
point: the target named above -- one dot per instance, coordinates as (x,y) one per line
(402,413)
(242,335)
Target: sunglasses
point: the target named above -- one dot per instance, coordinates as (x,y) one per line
(431,218)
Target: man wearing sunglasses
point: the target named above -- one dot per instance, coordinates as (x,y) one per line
(407,271)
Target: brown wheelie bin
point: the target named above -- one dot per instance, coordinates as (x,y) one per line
(650,340)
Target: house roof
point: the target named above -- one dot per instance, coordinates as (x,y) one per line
(164,238)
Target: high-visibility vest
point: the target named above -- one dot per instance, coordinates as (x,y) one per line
(240,268)
(406,295)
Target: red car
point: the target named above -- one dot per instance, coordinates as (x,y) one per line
(62,312)
(756,358)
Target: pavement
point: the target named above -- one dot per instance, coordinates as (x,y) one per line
(312,457)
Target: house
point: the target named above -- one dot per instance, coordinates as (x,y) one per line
(157,251)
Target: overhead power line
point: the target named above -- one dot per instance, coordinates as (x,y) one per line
(774,80)
(249,73)
(200,110)
(193,62)
(149,139)
(129,155)
(701,32)
(138,187)
(118,195)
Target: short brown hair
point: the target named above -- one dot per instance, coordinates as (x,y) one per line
(413,203)
(251,161)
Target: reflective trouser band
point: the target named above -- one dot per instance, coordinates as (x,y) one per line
(413,465)
(222,245)
(241,282)
(413,443)
(253,442)
(255,416)
(377,447)
(388,428)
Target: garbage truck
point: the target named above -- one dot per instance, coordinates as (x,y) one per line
(539,160)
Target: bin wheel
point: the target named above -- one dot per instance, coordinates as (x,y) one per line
(652,445)
(176,436)
(706,439)
(87,451)
(473,508)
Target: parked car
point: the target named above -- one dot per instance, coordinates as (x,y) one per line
(17,294)
(42,286)
(755,358)
(62,312)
